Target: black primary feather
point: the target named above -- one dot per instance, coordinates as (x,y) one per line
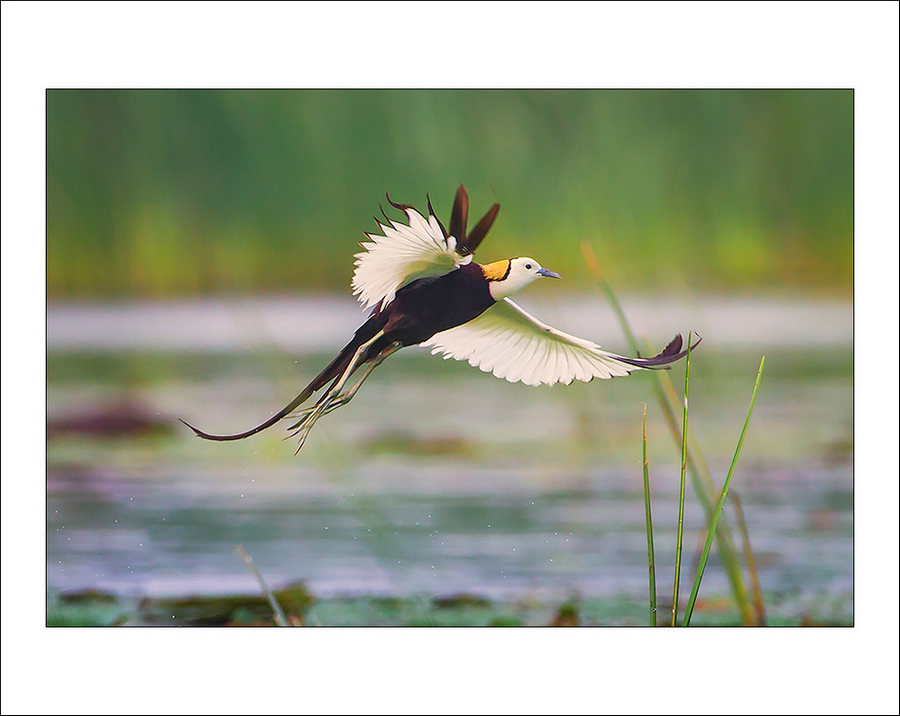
(671,353)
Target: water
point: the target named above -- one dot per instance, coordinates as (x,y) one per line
(437,479)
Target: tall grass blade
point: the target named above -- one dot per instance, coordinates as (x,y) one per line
(721,503)
(706,492)
(680,538)
(701,479)
(651,558)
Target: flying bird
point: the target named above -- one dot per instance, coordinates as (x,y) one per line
(423,288)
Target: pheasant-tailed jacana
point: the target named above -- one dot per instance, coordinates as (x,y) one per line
(424,288)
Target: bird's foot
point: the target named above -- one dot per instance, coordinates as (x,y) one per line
(301,416)
(302,428)
(308,417)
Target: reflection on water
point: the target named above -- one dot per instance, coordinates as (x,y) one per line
(438,479)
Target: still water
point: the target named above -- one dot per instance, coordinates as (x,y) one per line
(437,479)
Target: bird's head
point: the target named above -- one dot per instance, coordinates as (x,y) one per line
(511,275)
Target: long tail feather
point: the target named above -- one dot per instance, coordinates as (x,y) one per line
(299,400)
(330,372)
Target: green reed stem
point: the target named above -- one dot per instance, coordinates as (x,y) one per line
(707,494)
(651,559)
(680,538)
(705,490)
(721,503)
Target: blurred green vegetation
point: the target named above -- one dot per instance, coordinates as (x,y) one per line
(178,192)
(458,610)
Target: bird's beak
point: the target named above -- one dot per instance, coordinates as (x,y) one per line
(548,273)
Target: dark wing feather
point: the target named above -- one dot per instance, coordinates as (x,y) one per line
(470,243)
(669,354)
(460,215)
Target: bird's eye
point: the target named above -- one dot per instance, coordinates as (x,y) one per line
(528,266)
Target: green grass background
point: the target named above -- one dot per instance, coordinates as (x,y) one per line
(181,192)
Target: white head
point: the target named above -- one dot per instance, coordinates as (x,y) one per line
(507,277)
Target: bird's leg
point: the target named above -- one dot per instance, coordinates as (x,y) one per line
(345,398)
(332,398)
(325,404)
(336,385)
(330,402)
(306,412)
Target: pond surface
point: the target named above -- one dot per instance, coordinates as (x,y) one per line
(438,479)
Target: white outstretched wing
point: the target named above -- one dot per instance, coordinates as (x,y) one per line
(402,254)
(512,344)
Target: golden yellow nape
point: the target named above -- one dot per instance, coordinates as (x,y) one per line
(496,271)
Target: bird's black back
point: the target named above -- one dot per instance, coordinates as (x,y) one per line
(431,305)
